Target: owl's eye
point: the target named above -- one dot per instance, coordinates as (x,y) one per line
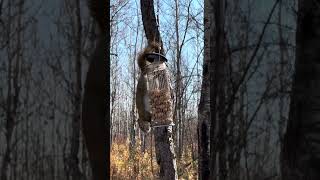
(150,59)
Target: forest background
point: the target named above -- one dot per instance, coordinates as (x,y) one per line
(260,37)
(43,137)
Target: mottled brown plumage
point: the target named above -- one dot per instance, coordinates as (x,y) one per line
(151,107)
(142,99)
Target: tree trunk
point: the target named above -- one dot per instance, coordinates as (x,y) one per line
(150,22)
(133,107)
(164,145)
(204,104)
(178,105)
(165,154)
(218,118)
(94,113)
(95,109)
(301,148)
(13,90)
(75,139)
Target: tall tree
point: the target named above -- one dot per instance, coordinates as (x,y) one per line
(164,145)
(76,40)
(204,104)
(95,108)
(217,92)
(212,133)
(178,92)
(301,148)
(14,55)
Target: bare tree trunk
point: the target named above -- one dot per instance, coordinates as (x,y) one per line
(204,104)
(94,113)
(164,145)
(217,94)
(150,22)
(75,139)
(133,106)
(14,53)
(178,104)
(165,154)
(95,109)
(301,148)
(9,118)
(283,64)
(113,95)
(27,130)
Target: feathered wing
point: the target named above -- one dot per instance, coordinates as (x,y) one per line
(143,111)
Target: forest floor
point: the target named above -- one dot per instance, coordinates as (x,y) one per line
(139,165)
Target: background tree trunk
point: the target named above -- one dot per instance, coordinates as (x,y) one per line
(301,147)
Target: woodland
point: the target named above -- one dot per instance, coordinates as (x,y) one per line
(246,86)
(245,76)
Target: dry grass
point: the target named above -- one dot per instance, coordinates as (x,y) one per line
(143,165)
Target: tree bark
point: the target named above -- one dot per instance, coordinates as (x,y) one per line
(164,146)
(219,63)
(165,154)
(75,139)
(95,108)
(301,147)
(204,104)
(218,124)
(150,23)
(94,113)
(13,91)
(177,118)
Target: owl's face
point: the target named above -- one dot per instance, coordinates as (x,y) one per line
(143,59)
